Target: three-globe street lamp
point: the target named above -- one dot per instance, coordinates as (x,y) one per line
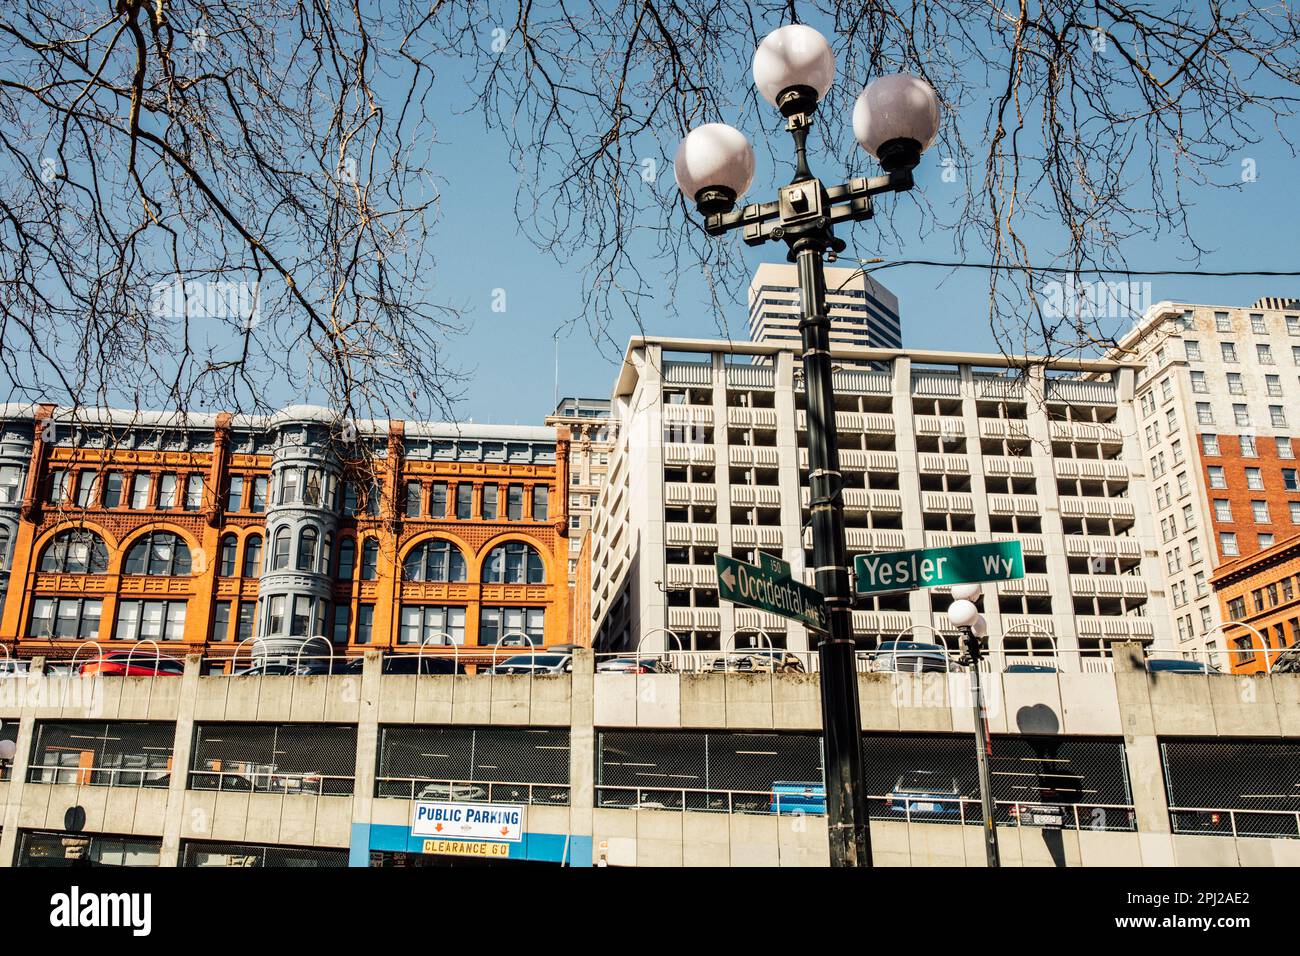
(895,119)
(966,617)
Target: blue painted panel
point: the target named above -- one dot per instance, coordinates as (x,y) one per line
(548,847)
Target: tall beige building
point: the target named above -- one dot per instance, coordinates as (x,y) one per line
(1218,409)
(937,448)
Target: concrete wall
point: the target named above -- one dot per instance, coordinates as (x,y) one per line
(1132,704)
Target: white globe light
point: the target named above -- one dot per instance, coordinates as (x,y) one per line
(896,118)
(714,156)
(962,613)
(981,627)
(792,56)
(966,592)
(7,749)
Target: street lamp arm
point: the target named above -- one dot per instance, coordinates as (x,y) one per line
(850,201)
(1224,628)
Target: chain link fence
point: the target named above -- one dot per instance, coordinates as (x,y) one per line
(1046,781)
(102,753)
(1248,788)
(1077,783)
(47,848)
(199,853)
(714,772)
(317,759)
(475,764)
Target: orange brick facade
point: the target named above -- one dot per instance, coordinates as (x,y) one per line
(1263,592)
(106,497)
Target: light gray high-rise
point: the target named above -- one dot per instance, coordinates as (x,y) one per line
(863,312)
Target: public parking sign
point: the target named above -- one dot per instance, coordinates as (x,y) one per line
(769,587)
(469,821)
(938,567)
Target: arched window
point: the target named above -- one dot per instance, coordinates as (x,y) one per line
(369,560)
(347,559)
(514,563)
(437,560)
(158,553)
(307,539)
(253,556)
(311,488)
(280,550)
(77,551)
(229,549)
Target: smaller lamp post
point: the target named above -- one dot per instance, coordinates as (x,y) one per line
(966,617)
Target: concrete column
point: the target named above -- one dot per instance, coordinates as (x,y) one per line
(909,479)
(1153,566)
(17,780)
(1142,753)
(1058,568)
(980,496)
(787,437)
(647,604)
(363,787)
(582,759)
(722,485)
(182,746)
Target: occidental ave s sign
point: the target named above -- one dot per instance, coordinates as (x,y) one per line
(939,567)
(769,587)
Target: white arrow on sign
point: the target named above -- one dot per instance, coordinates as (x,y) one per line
(729,578)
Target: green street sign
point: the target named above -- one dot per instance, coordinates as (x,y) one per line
(938,567)
(769,587)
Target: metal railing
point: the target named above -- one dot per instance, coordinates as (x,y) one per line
(968,811)
(1249,652)
(1221,821)
(448,642)
(273,781)
(96,776)
(696,799)
(738,660)
(473,791)
(914,809)
(997,660)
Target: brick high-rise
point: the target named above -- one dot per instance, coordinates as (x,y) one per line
(1218,405)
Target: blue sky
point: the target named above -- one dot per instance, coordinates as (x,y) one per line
(509,357)
(1252,227)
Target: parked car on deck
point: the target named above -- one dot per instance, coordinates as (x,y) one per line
(788,797)
(1175,665)
(1025,667)
(925,793)
(633,665)
(759,661)
(415,664)
(125,664)
(912,657)
(534,664)
(304,668)
(453,792)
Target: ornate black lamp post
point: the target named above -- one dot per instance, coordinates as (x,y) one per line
(895,119)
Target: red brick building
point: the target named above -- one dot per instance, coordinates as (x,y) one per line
(1260,597)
